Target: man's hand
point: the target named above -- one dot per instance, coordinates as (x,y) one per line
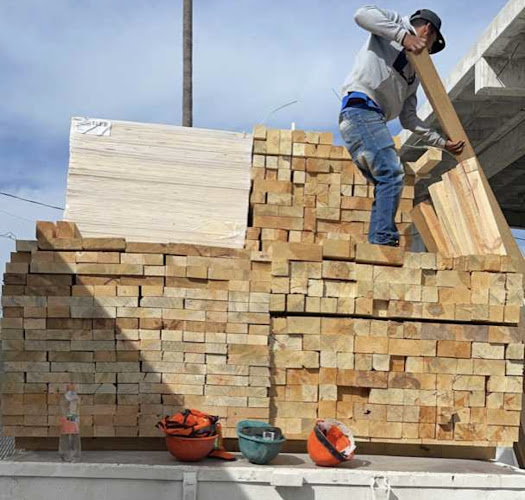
(455,147)
(414,43)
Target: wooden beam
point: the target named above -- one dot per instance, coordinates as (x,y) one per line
(446,217)
(291,446)
(426,162)
(467,241)
(453,129)
(430,229)
(468,208)
(441,103)
(492,234)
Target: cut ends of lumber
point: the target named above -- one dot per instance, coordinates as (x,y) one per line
(425,163)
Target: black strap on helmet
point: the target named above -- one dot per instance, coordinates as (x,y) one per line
(328,445)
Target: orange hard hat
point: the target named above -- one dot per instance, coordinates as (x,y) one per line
(197,426)
(330,443)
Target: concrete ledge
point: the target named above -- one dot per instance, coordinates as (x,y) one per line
(402,472)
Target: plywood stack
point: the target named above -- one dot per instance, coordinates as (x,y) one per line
(306,322)
(305,189)
(158,183)
(461,221)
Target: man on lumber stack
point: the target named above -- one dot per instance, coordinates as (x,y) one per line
(381,87)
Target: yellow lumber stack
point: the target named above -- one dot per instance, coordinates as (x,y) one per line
(305,189)
(307,322)
(461,221)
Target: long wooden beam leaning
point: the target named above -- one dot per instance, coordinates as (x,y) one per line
(452,127)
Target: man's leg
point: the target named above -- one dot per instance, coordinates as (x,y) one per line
(372,228)
(354,133)
(372,149)
(389,176)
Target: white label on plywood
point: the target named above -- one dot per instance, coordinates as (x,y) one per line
(160,183)
(91,126)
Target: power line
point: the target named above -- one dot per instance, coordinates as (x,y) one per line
(30,201)
(9,235)
(17,216)
(279,108)
(337,96)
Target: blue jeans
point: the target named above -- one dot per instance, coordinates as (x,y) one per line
(371,146)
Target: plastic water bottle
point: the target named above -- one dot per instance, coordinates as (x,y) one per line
(69,445)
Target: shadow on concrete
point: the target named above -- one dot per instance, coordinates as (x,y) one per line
(306,492)
(288,460)
(356,463)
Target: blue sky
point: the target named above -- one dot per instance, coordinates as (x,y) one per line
(121,59)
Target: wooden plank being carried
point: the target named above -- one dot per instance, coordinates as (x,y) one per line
(430,229)
(451,125)
(441,103)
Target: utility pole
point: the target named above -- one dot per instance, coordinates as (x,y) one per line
(187,96)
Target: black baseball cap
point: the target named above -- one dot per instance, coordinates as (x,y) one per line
(434,20)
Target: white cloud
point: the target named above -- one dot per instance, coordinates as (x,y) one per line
(122,59)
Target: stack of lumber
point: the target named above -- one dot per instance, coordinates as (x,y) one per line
(461,220)
(305,322)
(305,188)
(339,277)
(430,383)
(158,183)
(142,329)
(147,329)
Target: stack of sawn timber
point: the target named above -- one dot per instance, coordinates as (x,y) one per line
(302,324)
(306,189)
(461,221)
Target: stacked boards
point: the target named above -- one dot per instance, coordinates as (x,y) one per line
(307,321)
(299,325)
(158,183)
(460,221)
(142,329)
(306,189)
(452,128)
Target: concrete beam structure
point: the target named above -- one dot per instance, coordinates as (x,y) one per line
(496,76)
(487,89)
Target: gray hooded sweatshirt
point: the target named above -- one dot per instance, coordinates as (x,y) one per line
(383,72)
